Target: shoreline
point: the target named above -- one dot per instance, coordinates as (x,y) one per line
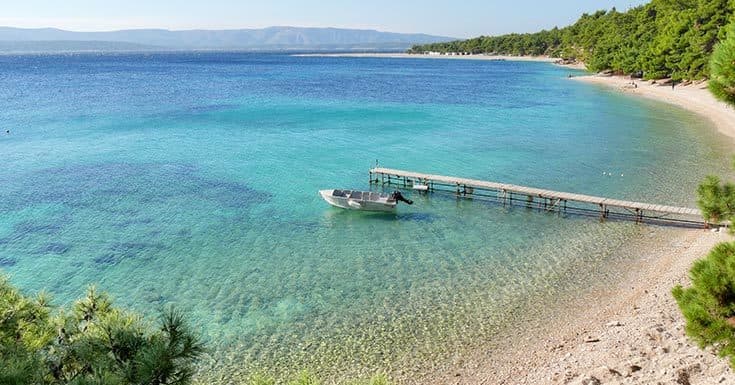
(694,97)
(630,332)
(633,331)
(541,59)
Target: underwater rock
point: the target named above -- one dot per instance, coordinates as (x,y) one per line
(54,248)
(8,261)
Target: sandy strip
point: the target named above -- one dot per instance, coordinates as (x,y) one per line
(694,97)
(544,59)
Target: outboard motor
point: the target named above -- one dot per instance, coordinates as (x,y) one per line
(399,197)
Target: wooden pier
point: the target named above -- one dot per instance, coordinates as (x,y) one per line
(547,200)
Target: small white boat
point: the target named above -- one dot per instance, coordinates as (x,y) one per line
(363,200)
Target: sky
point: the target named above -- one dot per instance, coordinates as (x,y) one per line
(457,18)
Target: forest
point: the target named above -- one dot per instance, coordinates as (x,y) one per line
(661,39)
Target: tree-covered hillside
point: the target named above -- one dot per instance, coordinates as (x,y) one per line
(664,38)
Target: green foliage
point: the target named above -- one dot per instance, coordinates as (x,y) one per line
(24,328)
(308,378)
(379,379)
(92,343)
(664,38)
(95,343)
(722,68)
(260,379)
(304,378)
(709,304)
(716,199)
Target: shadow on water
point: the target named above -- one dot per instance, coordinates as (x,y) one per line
(337,214)
(418,217)
(572,212)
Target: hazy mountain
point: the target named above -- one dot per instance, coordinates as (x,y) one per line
(293,38)
(64,45)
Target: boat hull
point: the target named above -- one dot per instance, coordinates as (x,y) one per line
(354,204)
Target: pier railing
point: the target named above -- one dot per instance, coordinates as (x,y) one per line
(546,200)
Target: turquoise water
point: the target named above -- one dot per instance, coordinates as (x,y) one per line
(192,178)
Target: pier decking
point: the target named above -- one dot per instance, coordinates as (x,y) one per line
(537,198)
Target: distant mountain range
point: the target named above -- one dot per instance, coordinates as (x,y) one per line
(272,38)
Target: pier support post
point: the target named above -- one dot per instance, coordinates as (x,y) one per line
(534,198)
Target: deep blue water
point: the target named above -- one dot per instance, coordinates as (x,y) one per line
(192,178)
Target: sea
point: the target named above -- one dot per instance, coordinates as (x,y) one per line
(191,179)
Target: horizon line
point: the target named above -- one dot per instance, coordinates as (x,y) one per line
(222,29)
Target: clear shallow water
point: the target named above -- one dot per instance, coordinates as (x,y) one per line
(191,179)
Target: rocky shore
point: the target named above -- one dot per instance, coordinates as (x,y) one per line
(638,336)
(630,332)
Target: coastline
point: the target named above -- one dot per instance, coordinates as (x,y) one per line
(558,347)
(542,59)
(631,332)
(628,332)
(693,97)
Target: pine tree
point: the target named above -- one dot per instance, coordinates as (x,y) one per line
(709,304)
(715,199)
(93,343)
(722,68)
